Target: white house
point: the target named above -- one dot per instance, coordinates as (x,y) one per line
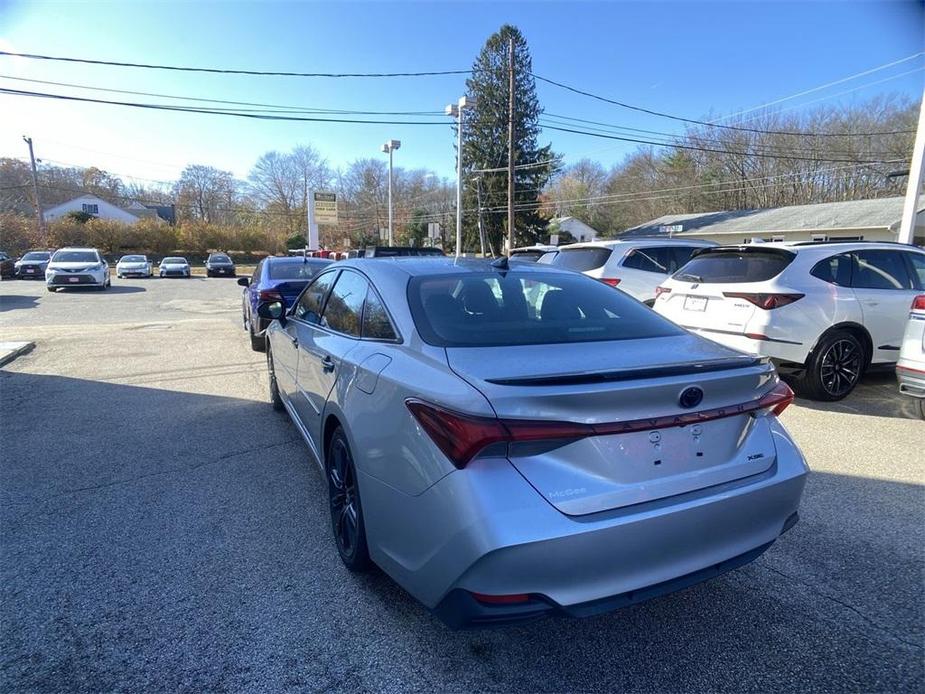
(580,231)
(866,220)
(101,209)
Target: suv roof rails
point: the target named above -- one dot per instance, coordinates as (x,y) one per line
(824,243)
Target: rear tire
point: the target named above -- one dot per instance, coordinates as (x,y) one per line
(922,407)
(275,398)
(344,501)
(51,289)
(258,342)
(834,369)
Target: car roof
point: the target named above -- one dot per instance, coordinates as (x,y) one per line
(415,266)
(295,259)
(78,248)
(824,247)
(641,241)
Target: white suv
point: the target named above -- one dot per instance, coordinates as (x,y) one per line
(77,267)
(825,310)
(910,369)
(637,267)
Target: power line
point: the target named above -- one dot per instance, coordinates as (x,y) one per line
(278,107)
(678,118)
(225,71)
(214,112)
(825,86)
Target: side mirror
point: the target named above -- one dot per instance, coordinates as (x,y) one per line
(244,281)
(273,310)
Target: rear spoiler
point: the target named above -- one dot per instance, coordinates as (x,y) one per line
(632,374)
(746,248)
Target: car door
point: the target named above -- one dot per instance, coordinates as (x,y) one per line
(884,288)
(323,345)
(648,267)
(306,311)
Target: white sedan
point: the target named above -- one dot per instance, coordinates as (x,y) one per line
(137,265)
(174,267)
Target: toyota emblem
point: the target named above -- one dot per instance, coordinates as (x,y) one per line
(690,397)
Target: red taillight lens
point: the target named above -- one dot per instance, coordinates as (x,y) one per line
(778,399)
(610,281)
(459,436)
(662,290)
(269,295)
(918,303)
(765,301)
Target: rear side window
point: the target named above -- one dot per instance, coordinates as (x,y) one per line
(727,267)
(917,261)
(344,309)
(880,269)
(376,323)
(310,303)
(834,270)
(657,260)
(494,309)
(581,259)
(303,270)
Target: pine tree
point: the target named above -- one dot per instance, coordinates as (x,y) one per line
(485,144)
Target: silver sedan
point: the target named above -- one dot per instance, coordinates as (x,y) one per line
(511,441)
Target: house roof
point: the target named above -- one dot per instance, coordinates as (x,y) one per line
(883,213)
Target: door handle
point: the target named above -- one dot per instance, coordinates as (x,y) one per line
(294,340)
(327,364)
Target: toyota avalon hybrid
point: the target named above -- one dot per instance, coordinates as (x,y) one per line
(509,441)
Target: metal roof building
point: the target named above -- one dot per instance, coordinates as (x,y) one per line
(870,220)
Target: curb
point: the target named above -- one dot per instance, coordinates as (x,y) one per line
(10,350)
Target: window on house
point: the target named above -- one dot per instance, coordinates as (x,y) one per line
(90,208)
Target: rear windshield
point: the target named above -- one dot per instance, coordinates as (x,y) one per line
(297,271)
(75,257)
(36,255)
(526,255)
(495,309)
(730,266)
(581,259)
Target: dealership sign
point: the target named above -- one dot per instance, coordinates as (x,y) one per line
(325,208)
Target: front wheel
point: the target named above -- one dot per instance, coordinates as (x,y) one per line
(346,510)
(834,369)
(258,342)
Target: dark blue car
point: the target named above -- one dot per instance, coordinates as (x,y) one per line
(274,279)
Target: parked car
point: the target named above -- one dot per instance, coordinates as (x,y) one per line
(824,311)
(510,441)
(394,251)
(32,265)
(530,253)
(274,279)
(910,369)
(174,267)
(636,266)
(7,266)
(77,267)
(219,265)
(134,265)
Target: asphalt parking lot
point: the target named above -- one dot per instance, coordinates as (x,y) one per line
(162,528)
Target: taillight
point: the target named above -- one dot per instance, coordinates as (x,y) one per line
(918,303)
(610,281)
(269,295)
(778,399)
(662,290)
(461,436)
(765,301)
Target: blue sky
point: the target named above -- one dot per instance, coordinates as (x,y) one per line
(692,59)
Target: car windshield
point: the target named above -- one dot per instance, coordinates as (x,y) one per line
(581,259)
(174,261)
(297,270)
(36,255)
(75,257)
(133,259)
(220,259)
(547,258)
(495,309)
(727,266)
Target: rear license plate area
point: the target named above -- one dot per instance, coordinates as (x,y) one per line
(695,303)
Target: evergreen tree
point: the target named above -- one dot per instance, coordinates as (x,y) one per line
(485,145)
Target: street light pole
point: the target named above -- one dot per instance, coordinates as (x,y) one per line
(390,147)
(39,214)
(456,110)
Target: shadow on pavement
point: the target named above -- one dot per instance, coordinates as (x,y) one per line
(114,289)
(11,302)
(157,536)
(876,395)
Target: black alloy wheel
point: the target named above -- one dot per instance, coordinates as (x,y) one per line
(346,511)
(835,368)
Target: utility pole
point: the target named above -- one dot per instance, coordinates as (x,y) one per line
(39,214)
(510,147)
(478,193)
(914,185)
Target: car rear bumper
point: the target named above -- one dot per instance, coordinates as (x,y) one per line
(486,531)
(779,349)
(911,379)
